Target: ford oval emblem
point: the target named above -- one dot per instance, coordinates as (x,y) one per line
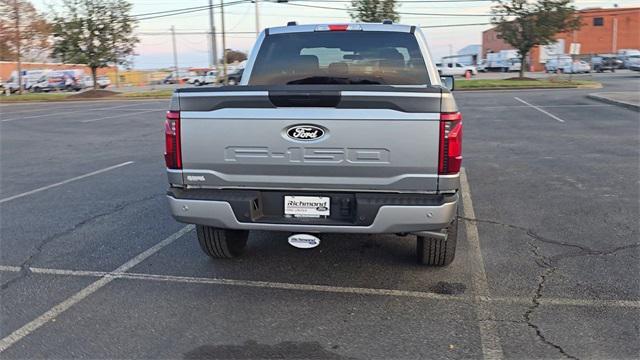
(305,132)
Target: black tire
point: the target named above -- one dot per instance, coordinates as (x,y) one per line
(221,243)
(436,251)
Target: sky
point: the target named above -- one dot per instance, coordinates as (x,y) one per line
(155,48)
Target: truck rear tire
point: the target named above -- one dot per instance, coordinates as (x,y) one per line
(222,243)
(433,251)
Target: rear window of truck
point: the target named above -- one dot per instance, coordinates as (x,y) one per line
(345,57)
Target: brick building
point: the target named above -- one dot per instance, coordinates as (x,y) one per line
(602,31)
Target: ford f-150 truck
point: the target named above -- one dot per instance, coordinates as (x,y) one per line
(339,128)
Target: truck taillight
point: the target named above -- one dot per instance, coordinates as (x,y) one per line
(450,157)
(172,154)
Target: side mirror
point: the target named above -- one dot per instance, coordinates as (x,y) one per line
(447,81)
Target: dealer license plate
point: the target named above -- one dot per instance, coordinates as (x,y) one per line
(307,206)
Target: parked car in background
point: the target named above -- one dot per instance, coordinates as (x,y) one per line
(482,65)
(181,76)
(557,63)
(630,60)
(625,55)
(602,63)
(577,67)
(208,78)
(456,69)
(234,77)
(633,63)
(103,82)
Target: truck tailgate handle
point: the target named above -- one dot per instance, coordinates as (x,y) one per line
(286,98)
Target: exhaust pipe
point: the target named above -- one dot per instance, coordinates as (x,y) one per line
(432,234)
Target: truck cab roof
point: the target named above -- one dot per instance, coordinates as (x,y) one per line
(340,27)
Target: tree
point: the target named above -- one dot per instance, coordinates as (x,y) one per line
(94,32)
(235,56)
(24,34)
(33,31)
(524,24)
(374,10)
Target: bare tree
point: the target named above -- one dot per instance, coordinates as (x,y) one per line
(24,34)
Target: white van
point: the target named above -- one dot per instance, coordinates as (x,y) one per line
(558,62)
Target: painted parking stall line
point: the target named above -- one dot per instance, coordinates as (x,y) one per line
(67,112)
(491,346)
(55,311)
(513,300)
(539,109)
(17,196)
(121,115)
(547,106)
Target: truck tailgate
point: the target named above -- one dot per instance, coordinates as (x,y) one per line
(367,141)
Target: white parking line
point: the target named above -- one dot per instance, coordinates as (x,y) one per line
(55,311)
(546,106)
(607,303)
(121,115)
(539,109)
(10,268)
(65,182)
(491,347)
(67,112)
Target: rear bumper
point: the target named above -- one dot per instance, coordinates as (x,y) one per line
(396,218)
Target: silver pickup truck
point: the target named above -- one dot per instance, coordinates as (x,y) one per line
(341,128)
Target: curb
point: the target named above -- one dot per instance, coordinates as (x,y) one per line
(628,105)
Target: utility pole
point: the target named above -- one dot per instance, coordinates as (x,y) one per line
(224,45)
(257,18)
(16,8)
(212,31)
(175,52)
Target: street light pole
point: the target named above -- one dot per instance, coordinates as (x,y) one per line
(257,17)
(16,8)
(175,52)
(224,45)
(212,31)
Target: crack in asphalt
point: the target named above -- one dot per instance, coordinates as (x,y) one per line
(582,250)
(26,264)
(549,266)
(548,269)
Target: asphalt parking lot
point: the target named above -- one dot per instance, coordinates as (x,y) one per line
(93,266)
